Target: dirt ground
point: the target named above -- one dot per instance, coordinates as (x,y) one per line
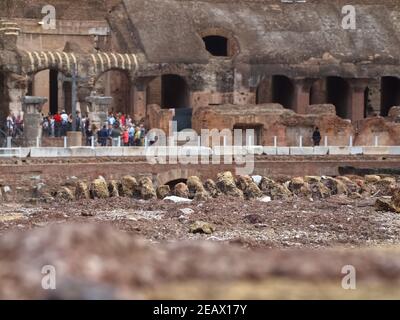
(126,248)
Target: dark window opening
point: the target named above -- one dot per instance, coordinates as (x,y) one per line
(173,183)
(53,92)
(175,92)
(216,45)
(390,94)
(282,91)
(338,95)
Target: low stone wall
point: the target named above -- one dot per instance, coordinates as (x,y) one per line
(89,152)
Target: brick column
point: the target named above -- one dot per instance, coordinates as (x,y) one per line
(139,101)
(357,99)
(301,99)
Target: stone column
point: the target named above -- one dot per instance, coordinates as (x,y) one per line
(98,109)
(139,101)
(32,107)
(357,99)
(301,94)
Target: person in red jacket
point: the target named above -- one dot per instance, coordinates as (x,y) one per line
(57,124)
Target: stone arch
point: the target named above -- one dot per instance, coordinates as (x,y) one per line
(283,91)
(220,42)
(116,83)
(52,84)
(169,91)
(276,89)
(174,175)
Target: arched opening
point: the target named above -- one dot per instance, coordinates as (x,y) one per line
(116,84)
(174,92)
(338,91)
(390,94)
(171,91)
(52,84)
(216,45)
(283,91)
(173,183)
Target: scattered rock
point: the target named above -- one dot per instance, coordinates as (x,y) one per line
(113,188)
(383,204)
(202,227)
(249,188)
(194,185)
(163,191)
(186,211)
(299,187)
(181,190)
(274,189)
(312,179)
(334,185)
(254,218)
(128,187)
(395,202)
(265,199)
(372,178)
(65,194)
(82,191)
(319,190)
(202,196)
(385,186)
(226,184)
(257,180)
(212,188)
(99,189)
(146,189)
(177,199)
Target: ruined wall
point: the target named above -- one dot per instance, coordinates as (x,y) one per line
(274,120)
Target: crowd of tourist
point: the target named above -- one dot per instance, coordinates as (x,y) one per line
(14,125)
(119,129)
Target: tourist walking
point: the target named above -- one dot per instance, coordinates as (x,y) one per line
(316,137)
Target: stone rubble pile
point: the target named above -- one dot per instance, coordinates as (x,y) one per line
(385,189)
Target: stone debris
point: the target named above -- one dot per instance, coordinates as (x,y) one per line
(65,194)
(227,185)
(163,191)
(212,188)
(113,188)
(274,190)
(146,189)
(249,187)
(129,186)
(243,187)
(202,227)
(82,190)
(99,189)
(181,190)
(265,199)
(177,199)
